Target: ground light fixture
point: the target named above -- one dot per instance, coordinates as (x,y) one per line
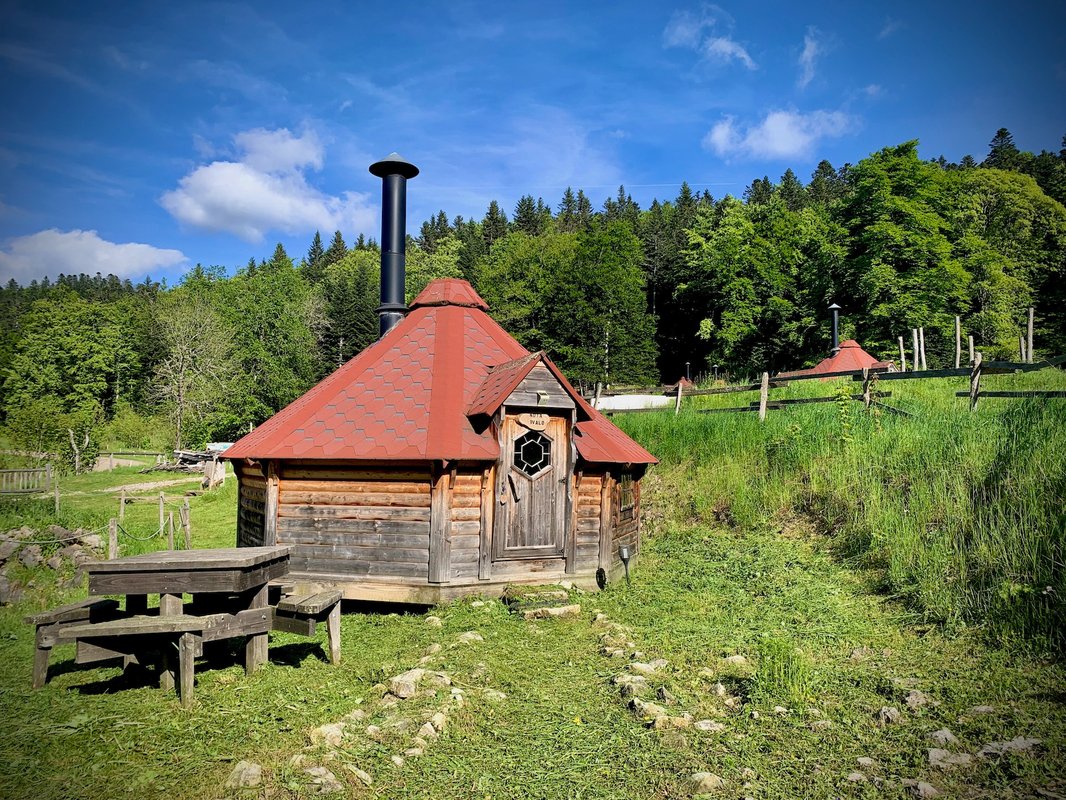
(623,553)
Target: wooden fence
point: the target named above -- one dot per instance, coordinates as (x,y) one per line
(868,396)
(26,481)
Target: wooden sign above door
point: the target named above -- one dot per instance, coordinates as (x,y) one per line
(535,422)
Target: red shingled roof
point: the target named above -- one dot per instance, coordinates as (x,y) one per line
(411,395)
(850,357)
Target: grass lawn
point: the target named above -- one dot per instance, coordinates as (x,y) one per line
(540,717)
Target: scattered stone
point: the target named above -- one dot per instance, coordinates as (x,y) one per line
(397,760)
(438,680)
(709,725)
(355,716)
(814,712)
(390,701)
(888,715)
(982,710)
(665,695)
(916,700)
(361,775)
(552,611)
(719,690)
(374,732)
(31,556)
(732,703)
(457,697)
(736,661)
(433,649)
(8,548)
(470,637)
(780,710)
(857,777)
(494,696)
(55,562)
(478,604)
(438,721)
(754,714)
(1019,744)
(599,617)
(705,782)
(943,737)
(331,734)
(864,761)
(413,752)
(945,759)
(434,621)
(427,731)
(325,780)
(920,788)
(297,760)
(405,684)
(648,711)
(859,653)
(398,725)
(92,540)
(245,775)
(821,725)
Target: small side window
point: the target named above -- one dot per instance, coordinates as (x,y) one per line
(627,497)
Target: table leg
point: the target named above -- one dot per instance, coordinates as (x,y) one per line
(255,650)
(169,606)
(137,603)
(186,662)
(333,627)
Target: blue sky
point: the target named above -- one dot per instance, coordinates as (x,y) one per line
(142,138)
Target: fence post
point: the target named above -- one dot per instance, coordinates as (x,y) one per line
(677,403)
(970,337)
(764,395)
(866,387)
(122,505)
(170,531)
(596,399)
(917,356)
(1021,348)
(112,539)
(921,339)
(902,356)
(975,381)
(958,341)
(186,523)
(162,518)
(1029,345)
(55,494)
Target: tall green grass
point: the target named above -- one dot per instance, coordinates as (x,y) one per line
(963,513)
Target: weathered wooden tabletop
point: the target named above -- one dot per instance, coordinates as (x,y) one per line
(229,569)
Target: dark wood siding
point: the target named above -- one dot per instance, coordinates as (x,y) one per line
(588,521)
(356,521)
(540,379)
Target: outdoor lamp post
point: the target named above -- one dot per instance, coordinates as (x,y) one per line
(623,554)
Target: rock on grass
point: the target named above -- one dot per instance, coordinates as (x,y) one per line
(1019,744)
(943,737)
(888,715)
(945,759)
(705,782)
(325,780)
(245,775)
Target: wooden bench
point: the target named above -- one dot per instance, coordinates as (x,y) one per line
(301,615)
(51,629)
(132,638)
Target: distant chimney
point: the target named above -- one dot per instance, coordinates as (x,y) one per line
(835,311)
(394,172)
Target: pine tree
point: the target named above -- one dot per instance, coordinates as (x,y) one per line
(826,184)
(526,219)
(494,225)
(566,221)
(791,191)
(584,211)
(967,162)
(313,263)
(760,191)
(336,250)
(1002,152)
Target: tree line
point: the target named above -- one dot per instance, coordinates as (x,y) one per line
(619,294)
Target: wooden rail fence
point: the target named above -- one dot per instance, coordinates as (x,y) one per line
(26,481)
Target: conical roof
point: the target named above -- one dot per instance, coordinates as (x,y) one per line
(421,393)
(849,358)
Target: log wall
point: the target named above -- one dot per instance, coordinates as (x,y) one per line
(357,522)
(587,515)
(466,523)
(251,503)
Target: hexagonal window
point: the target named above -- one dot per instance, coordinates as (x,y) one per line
(532,453)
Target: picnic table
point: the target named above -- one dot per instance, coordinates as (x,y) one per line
(229,588)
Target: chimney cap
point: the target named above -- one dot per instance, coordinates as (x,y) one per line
(393,164)
(834,306)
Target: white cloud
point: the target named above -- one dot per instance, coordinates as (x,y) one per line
(812,48)
(890,27)
(725,49)
(780,135)
(872,90)
(703,32)
(51,252)
(266,189)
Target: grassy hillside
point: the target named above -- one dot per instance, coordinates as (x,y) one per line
(795,581)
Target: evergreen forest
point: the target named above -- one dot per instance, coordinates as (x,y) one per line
(617,294)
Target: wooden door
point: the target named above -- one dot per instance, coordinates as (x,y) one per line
(531,487)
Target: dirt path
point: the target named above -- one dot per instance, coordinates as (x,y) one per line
(144,486)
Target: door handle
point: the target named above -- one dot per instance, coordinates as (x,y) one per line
(514,488)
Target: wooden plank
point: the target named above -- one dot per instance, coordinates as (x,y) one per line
(219,557)
(1038,393)
(270,508)
(302,626)
(605,523)
(356,487)
(368,513)
(384,473)
(310,604)
(440,528)
(81,610)
(376,553)
(326,497)
(344,538)
(346,525)
(354,568)
(467,514)
(917,376)
(484,571)
(528,566)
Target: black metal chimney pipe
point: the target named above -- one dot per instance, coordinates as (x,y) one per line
(835,309)
(394,172)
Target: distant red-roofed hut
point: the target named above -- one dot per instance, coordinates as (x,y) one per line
(443,460)
(849,358)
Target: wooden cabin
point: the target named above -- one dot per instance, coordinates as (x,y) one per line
(443,460)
